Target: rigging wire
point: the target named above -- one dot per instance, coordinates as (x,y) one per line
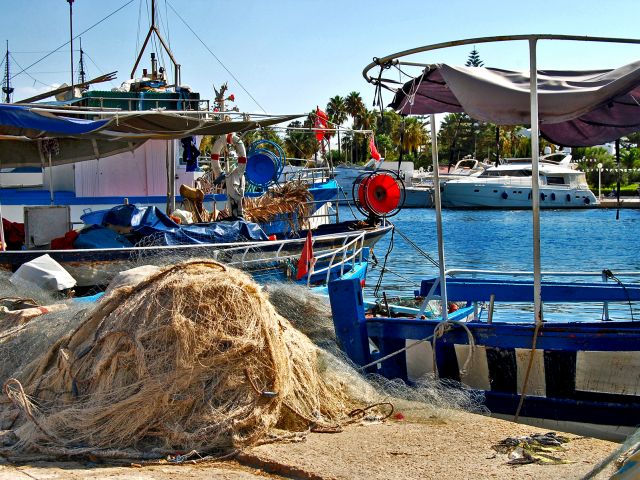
(217,59)
(101,70)
(135,53)
(609,274)
(376,289)
(166,19)
(28,74)
(23,70)
(413,245)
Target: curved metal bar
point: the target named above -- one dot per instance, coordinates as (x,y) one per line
(498,38)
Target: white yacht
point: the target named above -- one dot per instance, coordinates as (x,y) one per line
(508,185)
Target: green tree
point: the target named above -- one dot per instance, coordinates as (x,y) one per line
(355,109)
(337,112)
(266,133)
(474,59)
(300,143)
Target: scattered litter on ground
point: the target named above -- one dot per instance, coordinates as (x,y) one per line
(535,448)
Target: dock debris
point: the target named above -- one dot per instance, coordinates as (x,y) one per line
(535,448)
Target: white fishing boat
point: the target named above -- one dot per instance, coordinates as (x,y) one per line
(509,185)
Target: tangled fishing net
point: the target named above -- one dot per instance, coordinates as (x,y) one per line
(194,357)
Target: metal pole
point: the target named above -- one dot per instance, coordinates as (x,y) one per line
(50,178)
(3,247)
(172,175)
(436,191)
(599,181)
(535,187)
(618,182)
(71,45)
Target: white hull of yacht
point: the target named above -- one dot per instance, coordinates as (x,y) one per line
(487,195)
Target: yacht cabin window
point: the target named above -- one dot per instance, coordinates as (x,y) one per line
(525,172)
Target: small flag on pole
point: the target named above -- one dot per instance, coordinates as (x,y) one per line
(374,151)
(306,258)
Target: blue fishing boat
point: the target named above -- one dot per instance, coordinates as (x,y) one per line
(577,375)
(568,375)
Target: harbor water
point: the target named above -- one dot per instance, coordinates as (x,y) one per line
(571,241)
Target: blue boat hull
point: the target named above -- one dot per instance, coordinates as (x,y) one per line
(584,372)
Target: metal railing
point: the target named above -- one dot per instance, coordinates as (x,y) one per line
(310,176)
(252,255)
(349,251)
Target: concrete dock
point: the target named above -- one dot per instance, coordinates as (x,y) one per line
(459,447)
(625,202)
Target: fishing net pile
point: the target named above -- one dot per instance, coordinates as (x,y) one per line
(194,357)
(31,320)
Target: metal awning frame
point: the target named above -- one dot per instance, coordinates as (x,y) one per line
(394,60)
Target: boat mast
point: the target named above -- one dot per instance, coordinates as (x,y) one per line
(71,45)
(6,83)
(154,29)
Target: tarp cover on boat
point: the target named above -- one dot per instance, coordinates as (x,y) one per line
(576,108)
(37,122)
(22,129)
(158,229)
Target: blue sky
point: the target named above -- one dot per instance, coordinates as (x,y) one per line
(292,55)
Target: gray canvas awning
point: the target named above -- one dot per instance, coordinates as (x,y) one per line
(26,152)
(576,108)
(23,128)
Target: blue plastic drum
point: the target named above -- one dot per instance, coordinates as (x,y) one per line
(264,165)
(261,169)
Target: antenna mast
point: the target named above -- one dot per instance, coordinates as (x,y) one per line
(71,44)
(154,29)
(81,73)
(6,85)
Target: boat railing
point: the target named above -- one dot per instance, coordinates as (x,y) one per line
(604,275)
(254,254)
(310,176)
(350,250)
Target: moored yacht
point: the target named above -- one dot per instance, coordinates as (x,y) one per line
(509,186)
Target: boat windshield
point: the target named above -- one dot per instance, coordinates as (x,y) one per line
(524,172)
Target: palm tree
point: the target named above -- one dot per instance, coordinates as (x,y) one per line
(337,112)
(354,106)
(415,134)
(355,109)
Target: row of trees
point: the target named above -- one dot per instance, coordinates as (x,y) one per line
(396,136)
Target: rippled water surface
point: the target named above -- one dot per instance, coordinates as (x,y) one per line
(571,240)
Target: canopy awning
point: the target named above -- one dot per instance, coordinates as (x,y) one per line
(33,122)
(576,108)
(26,152)
(23,130)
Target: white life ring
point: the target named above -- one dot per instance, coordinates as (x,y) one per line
(229,139)
(235,182)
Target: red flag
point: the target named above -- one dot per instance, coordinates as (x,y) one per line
(321,122)
(306,258)
(374,151)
